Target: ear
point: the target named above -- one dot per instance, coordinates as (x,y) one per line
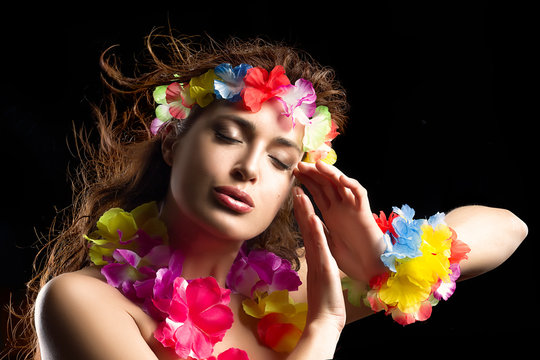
(168,141)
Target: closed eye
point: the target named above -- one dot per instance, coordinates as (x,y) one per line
(280,164)
(220,136)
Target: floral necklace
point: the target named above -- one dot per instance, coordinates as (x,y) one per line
(194,315)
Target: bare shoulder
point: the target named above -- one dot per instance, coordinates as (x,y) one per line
(85,281)
(78,315)
(83,289)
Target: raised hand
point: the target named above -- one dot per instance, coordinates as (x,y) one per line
(324,292)
(354,237)
(326,306)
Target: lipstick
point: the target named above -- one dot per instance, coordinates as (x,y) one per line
(234,199)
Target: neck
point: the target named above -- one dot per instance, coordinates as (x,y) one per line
(205,253)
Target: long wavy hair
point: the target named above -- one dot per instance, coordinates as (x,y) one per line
(126,168)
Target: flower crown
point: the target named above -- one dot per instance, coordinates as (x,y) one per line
(252,86)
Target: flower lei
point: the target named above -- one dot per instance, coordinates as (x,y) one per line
(252,86)
(422,257)
(194,315)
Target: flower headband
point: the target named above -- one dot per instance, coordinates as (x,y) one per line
(252,86)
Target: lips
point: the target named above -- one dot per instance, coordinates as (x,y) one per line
(234,199)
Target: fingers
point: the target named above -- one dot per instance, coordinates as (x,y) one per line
(322,190)
(303,209)
(324,292)
(313,231)
(359,192)
(335,176)
(327,184)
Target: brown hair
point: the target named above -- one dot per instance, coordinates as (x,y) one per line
(126,168)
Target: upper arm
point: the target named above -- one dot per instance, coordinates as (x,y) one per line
(492,234)
(78,318)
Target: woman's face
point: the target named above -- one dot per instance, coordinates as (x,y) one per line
(232,171)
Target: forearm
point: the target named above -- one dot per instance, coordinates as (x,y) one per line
(492,234)
(318,342)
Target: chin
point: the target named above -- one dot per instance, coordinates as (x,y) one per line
(235,227)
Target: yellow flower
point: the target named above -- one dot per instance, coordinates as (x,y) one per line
(411,283)
(201,88)
(436,250)
(404,292)
(280,302)
(325,153)
(116,227)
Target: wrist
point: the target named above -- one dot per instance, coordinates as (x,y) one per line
(324,328)
(319,340)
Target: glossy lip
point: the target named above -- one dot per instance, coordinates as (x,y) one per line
(234,199)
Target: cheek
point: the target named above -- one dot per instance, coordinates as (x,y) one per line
(193,171)
(275,191)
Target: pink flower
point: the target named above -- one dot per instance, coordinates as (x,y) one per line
(422,314)
(231,354)
(298,101)
(261,270)
(198,317)
(445,289)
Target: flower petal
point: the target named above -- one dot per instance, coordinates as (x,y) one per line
(159,94)
(301,94)
(184,338)
(156,124)
(233,354)
(315,132)
(164,333)
(458,250)
(193,342)
(275,332)
(202,294)
(261,86)
(231,83)
(214,321)
(178,311)
(127,256)
(116,273)
(201,88)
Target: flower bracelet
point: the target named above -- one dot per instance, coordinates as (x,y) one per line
(422,259)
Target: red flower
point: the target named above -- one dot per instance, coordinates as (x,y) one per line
(261,86)
(458,249)
(278,333)
(384,224)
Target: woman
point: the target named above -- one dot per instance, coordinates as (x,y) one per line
(223,167)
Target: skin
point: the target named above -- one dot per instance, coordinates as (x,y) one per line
(72,309)
(226,147)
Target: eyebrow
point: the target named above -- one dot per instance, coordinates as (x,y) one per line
(251,128)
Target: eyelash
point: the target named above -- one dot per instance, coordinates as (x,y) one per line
(280,164)
(226,138)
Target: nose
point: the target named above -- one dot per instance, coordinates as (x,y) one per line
(246,168)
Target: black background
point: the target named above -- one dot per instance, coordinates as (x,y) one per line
(441,99)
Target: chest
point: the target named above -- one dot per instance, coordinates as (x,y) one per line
(242,335)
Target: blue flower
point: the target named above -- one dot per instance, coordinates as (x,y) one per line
(230,82)
(407,244)
(436,220)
